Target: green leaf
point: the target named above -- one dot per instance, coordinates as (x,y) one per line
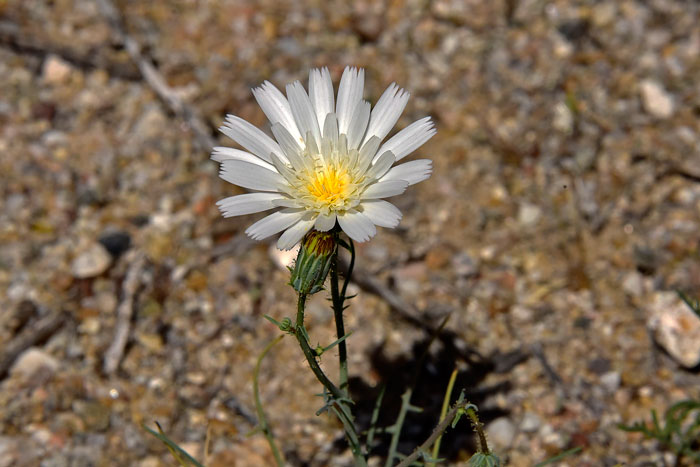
(180,455)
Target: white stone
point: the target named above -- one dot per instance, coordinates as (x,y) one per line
(531,422)
(563,119)
(611,381)
(501,432)
(656,100)
(91,263)
(676,328)
(33,360)
(529,214)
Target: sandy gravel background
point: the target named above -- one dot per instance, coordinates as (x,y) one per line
(563,211)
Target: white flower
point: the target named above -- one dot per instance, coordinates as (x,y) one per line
(328,162)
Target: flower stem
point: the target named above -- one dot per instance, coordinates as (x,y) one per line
(338,300)
(310,354)
(339,404)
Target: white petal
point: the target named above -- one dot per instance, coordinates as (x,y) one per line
(325,223)
(321,94)
(330,129)
(387,111)
(367,153)
(287,203)
(222,153)
(385,189)
(412,172)
(276,107)
(247,203)
(303,111)
(409,139)
(251,176)
(382,213)
(357,226)
(358,125)
(289,145)
(250,137)
(284,170)
(383,163)
(275,222)
(350,91)
(294,234)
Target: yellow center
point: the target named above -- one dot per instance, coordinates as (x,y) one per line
(329,186)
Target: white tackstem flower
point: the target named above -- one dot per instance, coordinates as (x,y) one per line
(326,163)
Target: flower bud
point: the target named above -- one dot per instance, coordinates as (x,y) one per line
(313,262)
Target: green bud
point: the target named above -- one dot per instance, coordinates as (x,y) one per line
(313,262)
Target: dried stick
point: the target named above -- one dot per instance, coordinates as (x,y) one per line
(30,42)
(114,354)
(30,336)
(437,432)
(155,80)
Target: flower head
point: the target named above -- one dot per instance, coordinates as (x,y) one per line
(328,162)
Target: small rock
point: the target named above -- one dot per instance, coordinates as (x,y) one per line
(676,328)
(633,284)
(464,265)
(563,119)
(611,381)
(656,100)
(501,432)
(95,415)
(32,361)
(116,242)
(529,214)
(91,263)
(599,365)
(531,422)
(55,70)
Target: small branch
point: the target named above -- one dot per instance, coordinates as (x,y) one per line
(31,335)
(115,352)
(155,80)
(437,432)
(31,43)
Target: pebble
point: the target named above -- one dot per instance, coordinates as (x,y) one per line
(116,242)
(91,263)
(32,361)
(633,284)
(530,423)
(55,70)
(611,381)
(676,328)
(529,214)
(501,432)
(464,265)
(655,99)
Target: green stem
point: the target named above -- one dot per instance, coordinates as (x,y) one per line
(338,302)
(340,406)
(264,426)
(398,426)
(443,413)
(310,354)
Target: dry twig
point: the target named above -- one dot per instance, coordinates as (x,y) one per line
(114,354)
(155,80)
(30,42)
(30,336)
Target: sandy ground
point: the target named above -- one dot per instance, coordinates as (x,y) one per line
(563,211)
